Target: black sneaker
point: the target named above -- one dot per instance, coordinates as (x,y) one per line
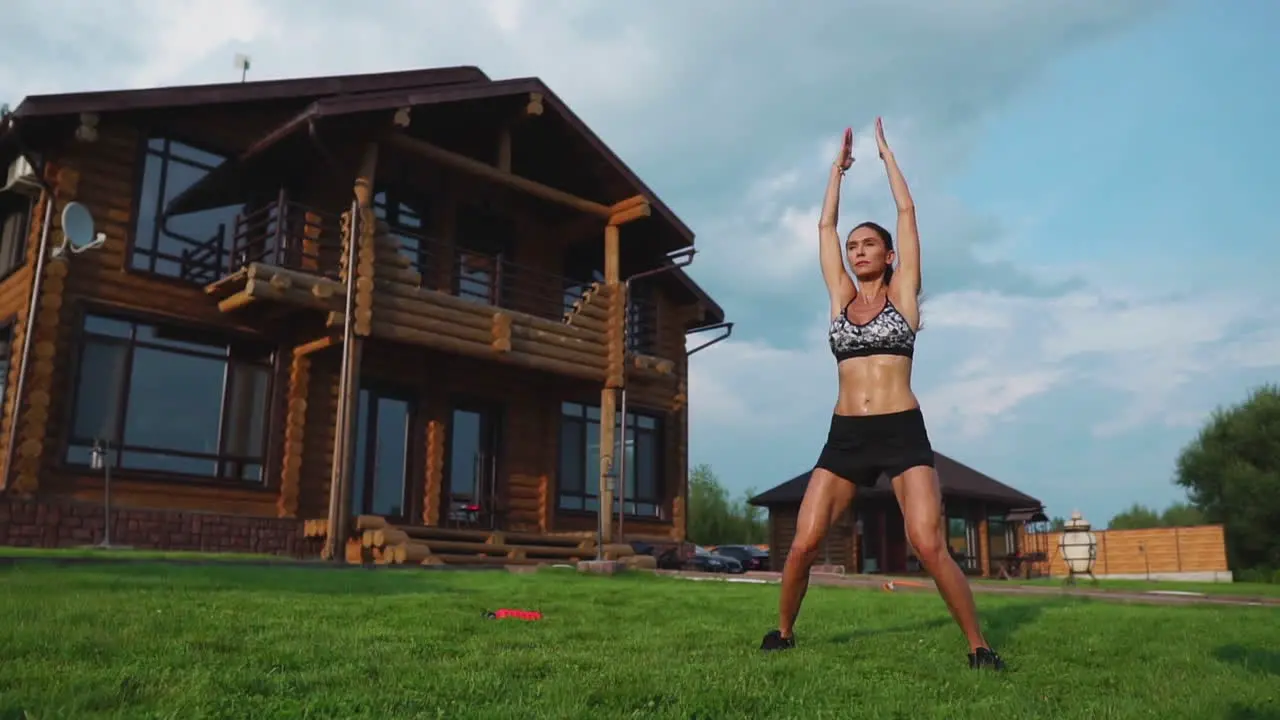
(985,658)
(774,641)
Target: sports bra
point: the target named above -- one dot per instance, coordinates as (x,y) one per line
(888,333)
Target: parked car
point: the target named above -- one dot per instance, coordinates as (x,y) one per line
(703,560)
(751,557)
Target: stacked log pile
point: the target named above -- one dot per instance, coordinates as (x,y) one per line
(384,543)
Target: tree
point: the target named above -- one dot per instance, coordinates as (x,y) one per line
(1232,475)
(1181,515)
(1137,517)
(1141,517)
(716,519)
(1057,523)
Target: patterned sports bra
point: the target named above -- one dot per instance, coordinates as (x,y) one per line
(888,333)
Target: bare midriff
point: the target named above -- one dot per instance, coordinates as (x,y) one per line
(875,385)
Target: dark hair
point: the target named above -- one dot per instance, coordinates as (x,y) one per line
(888,244)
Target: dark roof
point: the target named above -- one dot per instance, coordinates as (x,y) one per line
(256,91)
(345,95)
(957,480)
(353,103)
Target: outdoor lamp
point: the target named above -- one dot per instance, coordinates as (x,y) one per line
(1079,547)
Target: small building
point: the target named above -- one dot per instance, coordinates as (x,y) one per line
(396,294)
(984,519)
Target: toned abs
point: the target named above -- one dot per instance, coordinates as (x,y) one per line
(875,385)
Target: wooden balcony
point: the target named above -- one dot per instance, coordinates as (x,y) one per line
(484,305)
(286,257)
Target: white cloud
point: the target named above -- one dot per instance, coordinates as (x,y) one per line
(984,355)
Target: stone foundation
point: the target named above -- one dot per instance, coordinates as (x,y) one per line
(49,523)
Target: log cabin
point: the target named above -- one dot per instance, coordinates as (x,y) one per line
(986,524)
(325,306)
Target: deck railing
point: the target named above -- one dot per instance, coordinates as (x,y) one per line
(488,278)
(282,233)
(642,324)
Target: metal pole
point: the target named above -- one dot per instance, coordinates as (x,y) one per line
(106,493)
(621,494)
(29,332)
(348,331)
(677,260)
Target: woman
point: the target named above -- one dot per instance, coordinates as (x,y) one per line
(877,426)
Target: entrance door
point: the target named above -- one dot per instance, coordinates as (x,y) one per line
(380,474)
(472,464)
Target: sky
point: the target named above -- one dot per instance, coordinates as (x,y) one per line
(1090,179)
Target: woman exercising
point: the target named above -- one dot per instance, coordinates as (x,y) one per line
(877,426)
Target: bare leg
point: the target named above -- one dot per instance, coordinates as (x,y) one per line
(826,498)
(920,498)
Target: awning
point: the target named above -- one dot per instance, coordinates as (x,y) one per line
(1026,515)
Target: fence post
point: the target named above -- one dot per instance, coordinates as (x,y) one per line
(1177,547)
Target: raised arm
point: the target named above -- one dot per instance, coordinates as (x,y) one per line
(839,287)
(906,279)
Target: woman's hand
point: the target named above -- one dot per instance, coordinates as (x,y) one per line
(881,143)
(845,157)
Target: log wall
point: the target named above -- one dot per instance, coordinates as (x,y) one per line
(440,345)
(103,175)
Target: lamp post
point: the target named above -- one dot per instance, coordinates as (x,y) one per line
(100,460)
(1079,548)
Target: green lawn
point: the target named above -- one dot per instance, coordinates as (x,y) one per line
(152,640)
(115,553)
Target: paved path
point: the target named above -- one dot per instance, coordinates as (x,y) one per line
(869,581)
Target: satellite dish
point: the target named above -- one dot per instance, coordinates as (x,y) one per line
(78,234)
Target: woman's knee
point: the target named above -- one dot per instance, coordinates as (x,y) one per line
(926,537)
(805,545)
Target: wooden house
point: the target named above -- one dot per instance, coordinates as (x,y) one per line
(410,295)
(984,521)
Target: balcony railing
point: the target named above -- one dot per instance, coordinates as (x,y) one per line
(488,278)
(642,324)
(282,233)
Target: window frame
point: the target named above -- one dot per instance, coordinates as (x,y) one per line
(11,205)
(590,490)
(272,407)
(149,250)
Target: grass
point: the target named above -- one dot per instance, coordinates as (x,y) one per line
(115,553)
(150,640)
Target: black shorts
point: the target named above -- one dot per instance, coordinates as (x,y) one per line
(861,447)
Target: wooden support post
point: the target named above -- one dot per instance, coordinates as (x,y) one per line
(609,394)
(352,347)
(625,211)
(984,543)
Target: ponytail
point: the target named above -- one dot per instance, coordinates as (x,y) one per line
(888,275)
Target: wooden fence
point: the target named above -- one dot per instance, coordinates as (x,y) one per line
(1201,548)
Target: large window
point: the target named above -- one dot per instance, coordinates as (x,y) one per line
(15,222)
(962,539)
(408,217)
(579,476)
(171,401)
(188,246)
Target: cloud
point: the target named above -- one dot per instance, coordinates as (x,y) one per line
(731,113)
(984,355)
